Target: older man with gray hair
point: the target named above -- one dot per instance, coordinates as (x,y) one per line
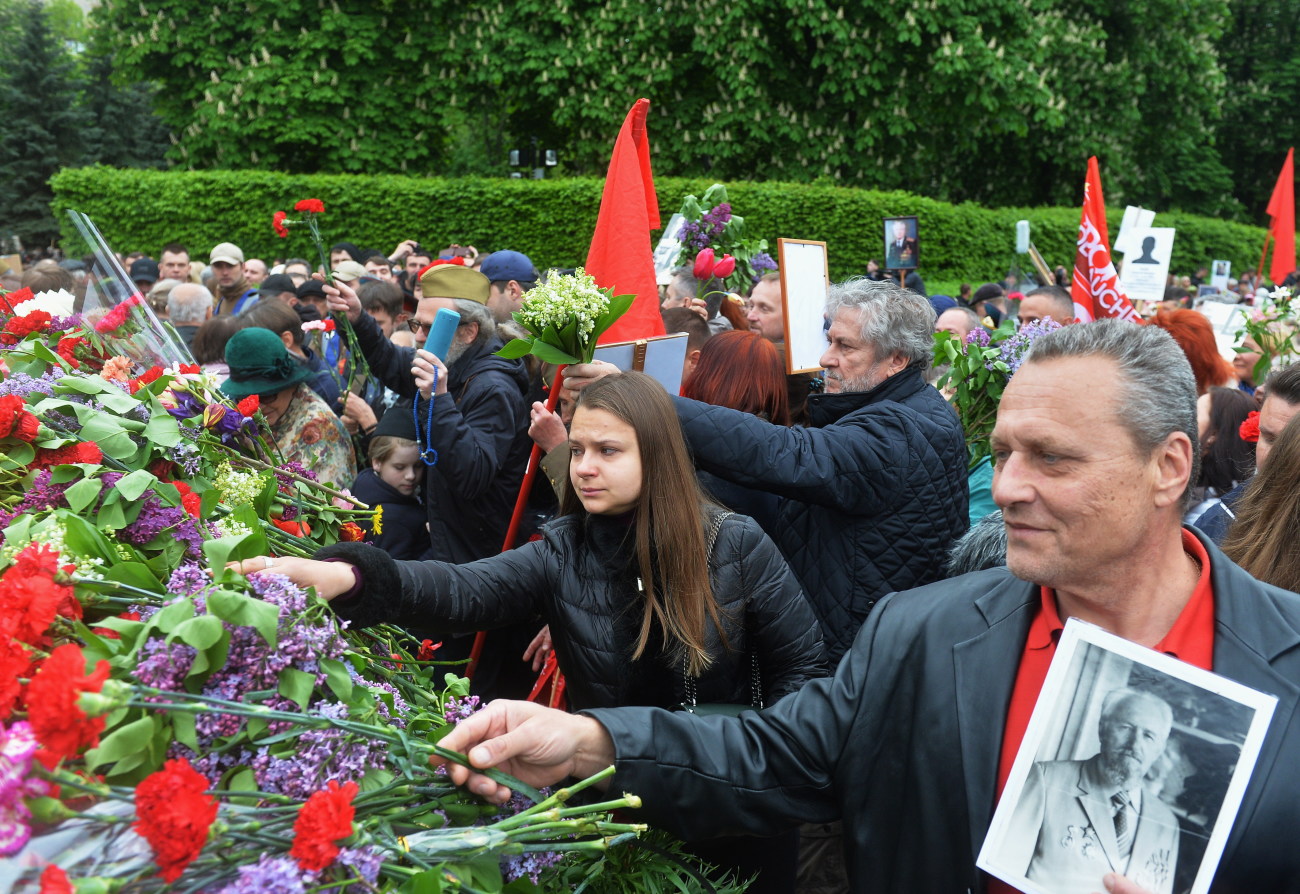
(874,488)
(189,306)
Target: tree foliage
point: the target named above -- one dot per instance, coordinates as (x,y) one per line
(996,101)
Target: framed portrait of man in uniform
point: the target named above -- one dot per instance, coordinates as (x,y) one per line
(902,245)
(1133,762)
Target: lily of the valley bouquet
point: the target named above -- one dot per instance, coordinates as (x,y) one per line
(564,316)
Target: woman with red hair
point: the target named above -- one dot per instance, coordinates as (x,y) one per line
(742,370)
(1194,334)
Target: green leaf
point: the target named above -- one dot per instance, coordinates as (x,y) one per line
(246,612)
(135,574)
(550,354)
(82,494)
(516,347)
(427,882)
(337,678)
(15,454)
(171,617)
(297,686)
(162,430)
(128,739)
(200,632)
(133,485)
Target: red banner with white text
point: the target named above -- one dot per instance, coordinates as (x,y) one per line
(1095,285)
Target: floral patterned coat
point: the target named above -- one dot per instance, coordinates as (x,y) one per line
(311,434)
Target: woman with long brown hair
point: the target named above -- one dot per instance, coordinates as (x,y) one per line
(654,595)
(1263,538)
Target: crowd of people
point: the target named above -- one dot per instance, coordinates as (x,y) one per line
(814,545)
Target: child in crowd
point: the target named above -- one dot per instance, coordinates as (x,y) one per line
(393,486)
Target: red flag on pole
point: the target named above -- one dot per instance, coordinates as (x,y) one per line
(1095,285)
(1281,207)
(621,256)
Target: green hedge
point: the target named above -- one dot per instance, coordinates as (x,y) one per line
(552,220)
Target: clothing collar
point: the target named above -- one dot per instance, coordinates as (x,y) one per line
(826,409)
(1191,639)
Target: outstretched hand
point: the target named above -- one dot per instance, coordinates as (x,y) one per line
(540,746)
(331,579)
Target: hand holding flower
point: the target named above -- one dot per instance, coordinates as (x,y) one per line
(342,299)
(330,579)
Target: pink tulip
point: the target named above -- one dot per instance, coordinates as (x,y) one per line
(724,267)
(704,264)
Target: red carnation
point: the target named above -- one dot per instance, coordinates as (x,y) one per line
(15,662)
(325,819)
(174,815)
(30,600)
(67,348)
(1249,430)
(427,648)
(19,328)
(278,223)
(190,501)
(12,299)
(52,709)
(351,533)
(249,405)
(314,205)
(189,369)
(15,421)
(55,881)
(81,452)
(150,375)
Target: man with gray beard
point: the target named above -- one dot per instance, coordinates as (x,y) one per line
(1076,820)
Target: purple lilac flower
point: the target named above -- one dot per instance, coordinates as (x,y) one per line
(528,865)
(42,495)
(63,324)
(365,862)
(189,579)
(319,756)
(271,875)
(23,385)
(978,336)
(297,468)
(457,709)
(186,455)
(761,263)
(164,666)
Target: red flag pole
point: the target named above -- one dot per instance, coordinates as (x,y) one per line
(1263,254)
(530,475)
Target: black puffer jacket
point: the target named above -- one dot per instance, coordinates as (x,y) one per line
(590,603)
(480,430)
(874,490)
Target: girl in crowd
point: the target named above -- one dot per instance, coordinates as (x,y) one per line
(1226,460)
(1263,538)
(654,595)
(392,485)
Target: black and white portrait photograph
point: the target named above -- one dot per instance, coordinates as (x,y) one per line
(1134,763)
(902,245)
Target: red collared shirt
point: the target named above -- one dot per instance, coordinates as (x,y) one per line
(1191,639)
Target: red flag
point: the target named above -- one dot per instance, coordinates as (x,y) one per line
(621,256)
(1095,285)
(1281,207)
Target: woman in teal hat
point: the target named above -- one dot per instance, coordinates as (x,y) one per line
(303,426)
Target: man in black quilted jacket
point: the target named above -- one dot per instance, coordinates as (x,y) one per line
(874,488)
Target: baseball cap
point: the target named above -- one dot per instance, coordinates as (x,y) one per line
(502,266)
(227,252)
(276,283)
(350,271)
(144,270)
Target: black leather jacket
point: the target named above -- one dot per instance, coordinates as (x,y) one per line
(903,741)
(576,579)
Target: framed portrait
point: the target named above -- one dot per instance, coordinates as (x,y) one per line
(805,283)
(902,243)
(1133,762)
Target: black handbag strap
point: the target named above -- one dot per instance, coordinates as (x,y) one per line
(755,676)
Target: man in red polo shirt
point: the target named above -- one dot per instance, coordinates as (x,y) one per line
(1095,446)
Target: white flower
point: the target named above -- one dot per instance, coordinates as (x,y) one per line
(563,299)
(55,303)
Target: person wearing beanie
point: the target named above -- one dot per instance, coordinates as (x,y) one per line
(477,426)
(303,426)
(394,485)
